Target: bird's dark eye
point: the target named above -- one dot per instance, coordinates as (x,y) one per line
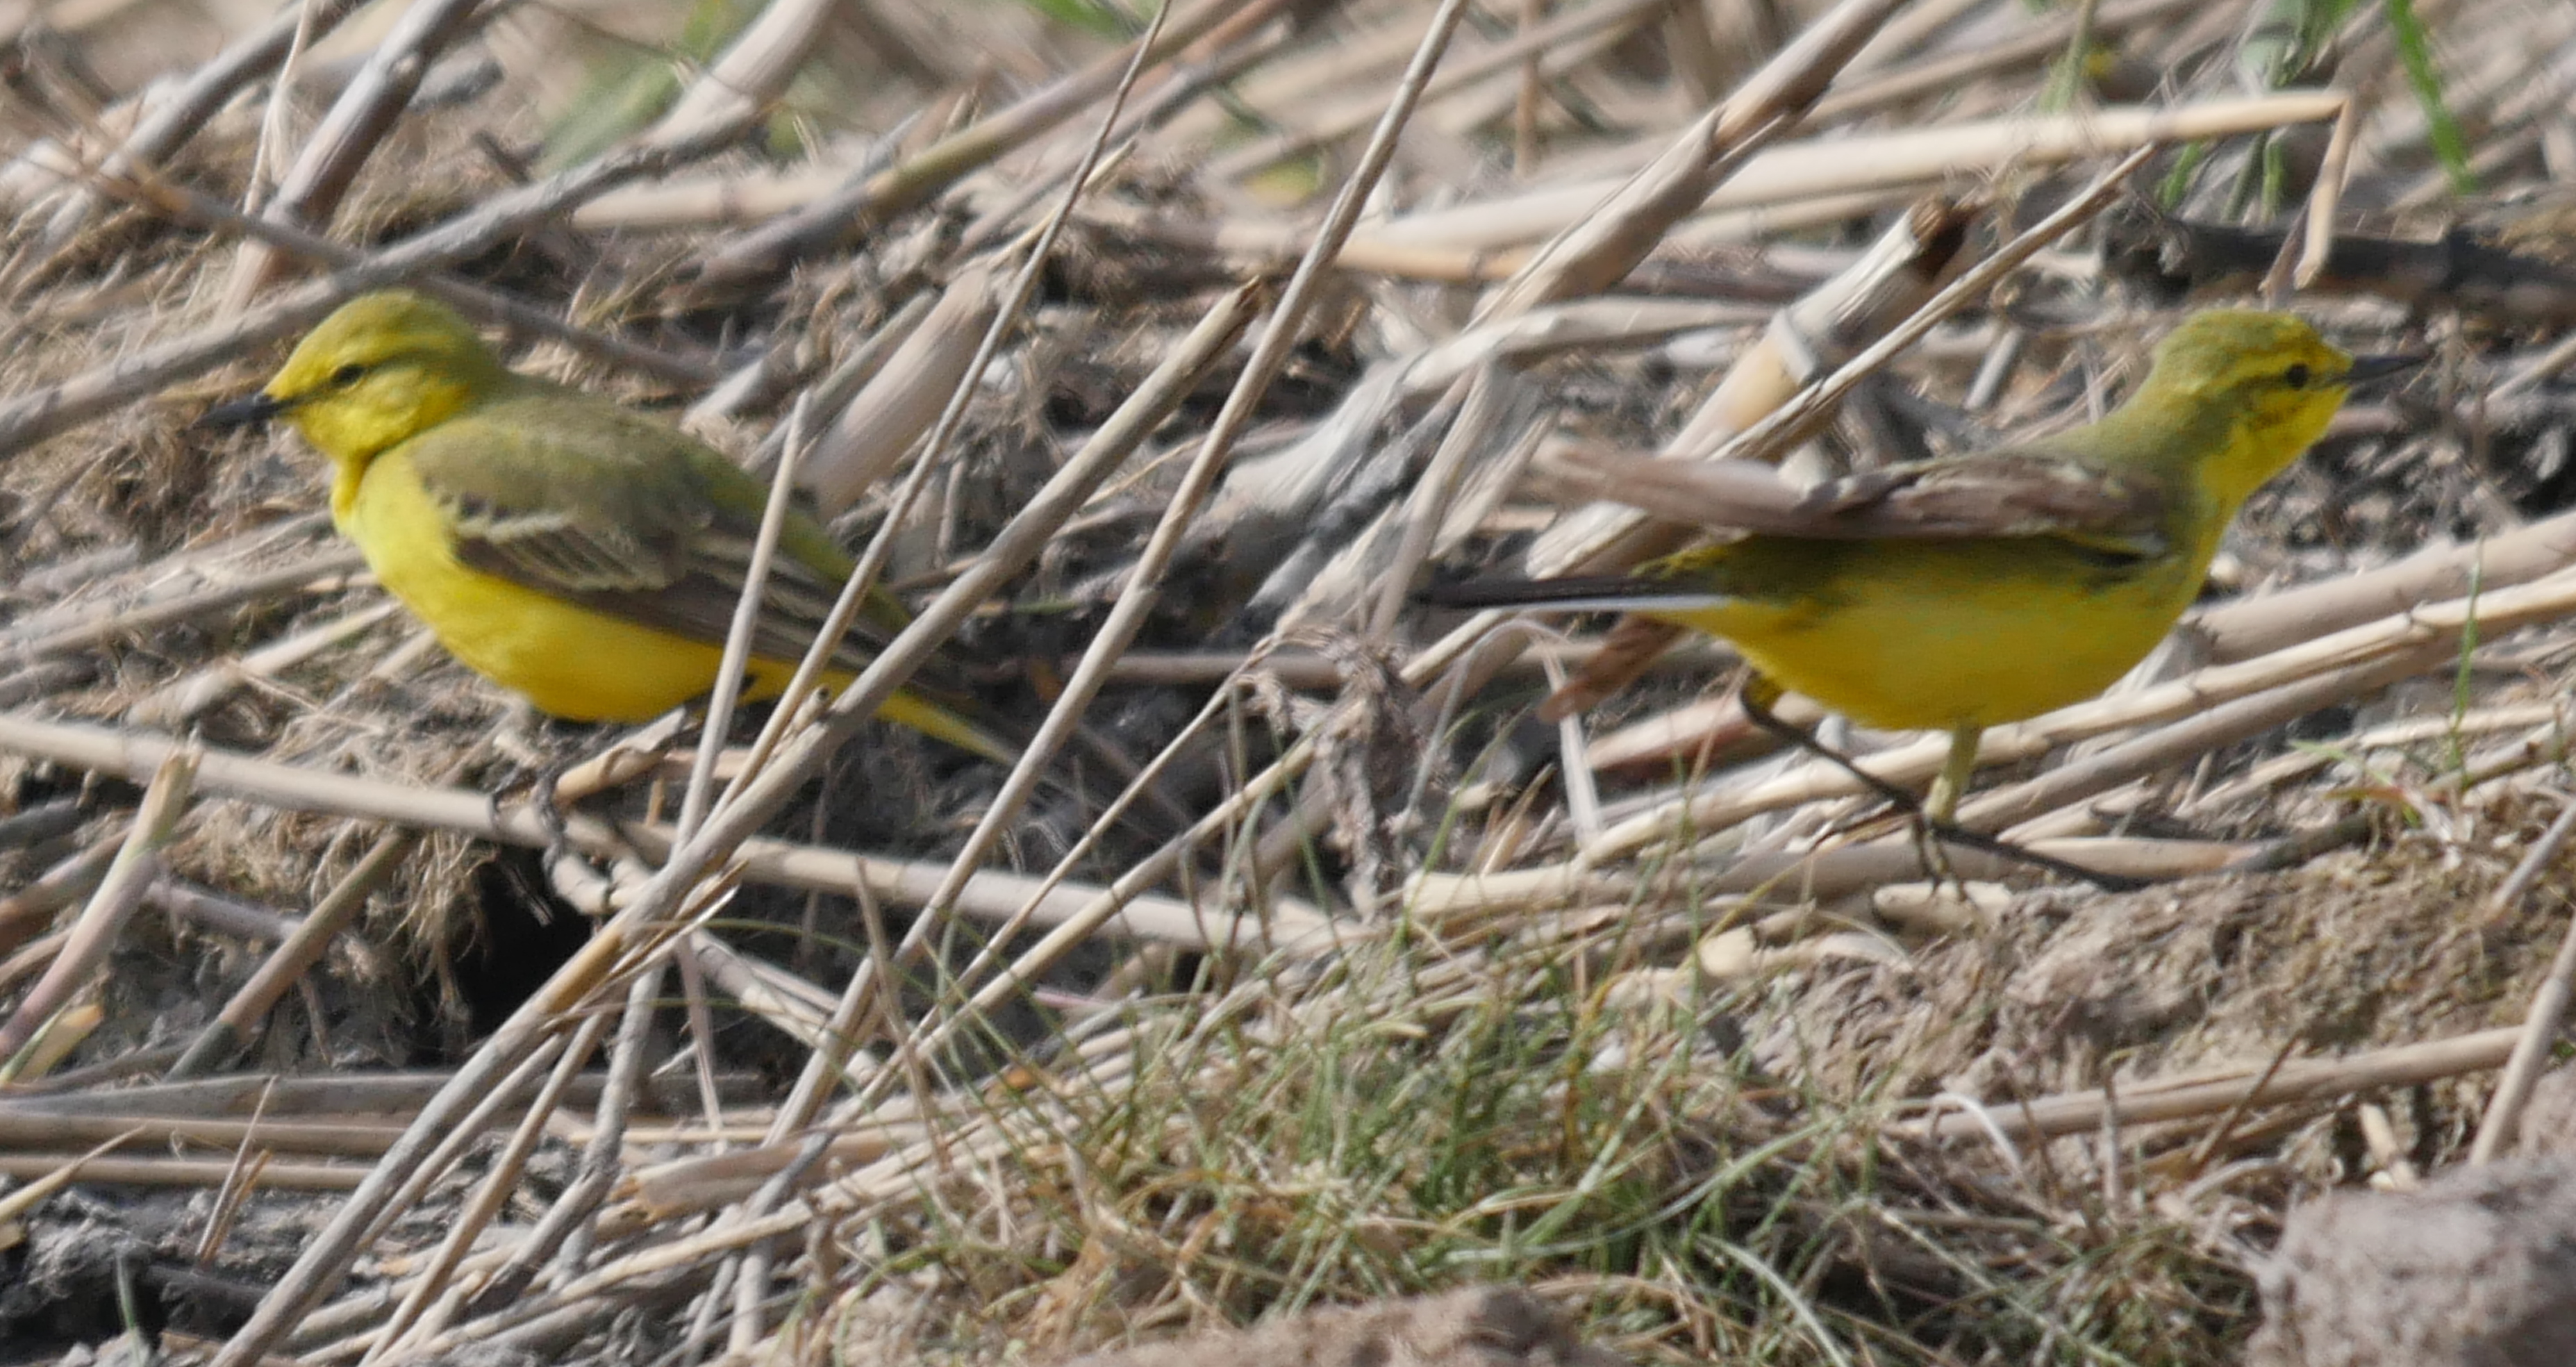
(348,375)
(2296,377)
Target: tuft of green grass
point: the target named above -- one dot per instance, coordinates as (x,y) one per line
(1422,1116)
(2415,53)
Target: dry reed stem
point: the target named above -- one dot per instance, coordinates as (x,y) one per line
(2549,717)
(349,134)
(1549,48)
(2216,1091)
(2267,622)
(2195,735)
(25,1125)
(57,408)
(171,119)
(912,182)
(1469,901)
(390,1094)
(907,395)
(993,895)
(323,572)
(120,893)
(30,908)
(205,1173)
(2046,36)
(15,1205)
(743,83)
(414,1316)
(1253,33)
(1608,241)
(189,206)
(1834,166)
(1138,596)
(191,695)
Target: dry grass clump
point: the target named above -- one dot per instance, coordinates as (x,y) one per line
(1395,1127)
(1371,986)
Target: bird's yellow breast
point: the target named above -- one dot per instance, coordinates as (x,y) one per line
(1934,635)
(570,661)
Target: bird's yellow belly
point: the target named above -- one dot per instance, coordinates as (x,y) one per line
(568,660)
(1942,650)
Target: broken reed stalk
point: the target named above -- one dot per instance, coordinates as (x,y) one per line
(2217,1091)
(348,134)
(989,895)
(120,892)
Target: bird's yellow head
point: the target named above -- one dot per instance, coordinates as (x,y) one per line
(382,367)
(2245,392)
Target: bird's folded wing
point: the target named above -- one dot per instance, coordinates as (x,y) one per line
(2012,491)
(602,514)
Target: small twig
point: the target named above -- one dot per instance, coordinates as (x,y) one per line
(990,893)
(2227,1120)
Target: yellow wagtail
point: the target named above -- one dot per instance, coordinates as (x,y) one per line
(583,555)
(1961,632)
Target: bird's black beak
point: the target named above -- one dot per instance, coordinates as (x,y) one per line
(2368,368)
(248,411)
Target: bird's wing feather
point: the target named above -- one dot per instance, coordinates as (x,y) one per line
(2013,491)
(618,513)
(2027,490)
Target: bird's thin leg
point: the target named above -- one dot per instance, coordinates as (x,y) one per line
(1957,772)
(1941,805)
(1759,694)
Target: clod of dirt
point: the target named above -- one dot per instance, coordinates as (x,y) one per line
(2475,1269)
(1484,1327)
(2549,1117)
